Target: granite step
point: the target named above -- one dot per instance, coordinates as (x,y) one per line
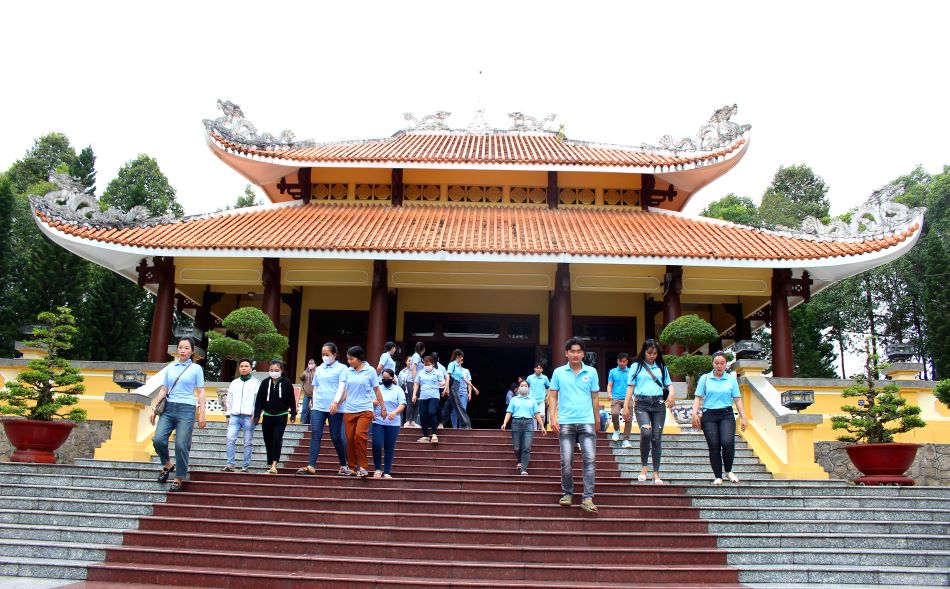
(43,568)
(835,542)
(832,575)
(831,555)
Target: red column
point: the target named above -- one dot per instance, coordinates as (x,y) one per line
(561,322)
(671,302)
(378,312)
(271,302)
(782,361)
(163,273)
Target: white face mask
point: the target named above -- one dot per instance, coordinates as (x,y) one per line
(275,375)
(328,360)
(523,392)
(429,368)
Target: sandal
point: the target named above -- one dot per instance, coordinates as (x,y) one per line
(658,481)
(435,439)
(588,506)
(228,468)
(163,476)
(272,470)
(305,470)
(642,478)
(176,487)
(565,501)
(732,477)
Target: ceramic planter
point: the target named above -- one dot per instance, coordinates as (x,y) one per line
(883,464)
(35,441)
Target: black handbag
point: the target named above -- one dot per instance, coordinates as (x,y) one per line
(665,389)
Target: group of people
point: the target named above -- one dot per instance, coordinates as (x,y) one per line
(357,397)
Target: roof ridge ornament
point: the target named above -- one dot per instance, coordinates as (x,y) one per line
(433,122)
(234,126)
(718,132)
(878,215)
(70,204)
(522,122)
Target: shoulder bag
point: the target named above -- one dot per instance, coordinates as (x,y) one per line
(160,406)
(665,389)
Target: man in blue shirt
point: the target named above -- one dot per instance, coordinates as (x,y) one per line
(574,407)
(539,384)
(617,391)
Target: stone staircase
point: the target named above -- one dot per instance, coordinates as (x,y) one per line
(459,515)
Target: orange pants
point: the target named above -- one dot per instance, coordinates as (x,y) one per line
(356,426)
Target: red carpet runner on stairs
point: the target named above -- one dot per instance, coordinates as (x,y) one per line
(456,515)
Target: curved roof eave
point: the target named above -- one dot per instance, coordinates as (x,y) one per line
(124,258)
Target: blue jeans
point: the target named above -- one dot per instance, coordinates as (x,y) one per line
(318,420)
(305,410)
(583,434)
(409,415)
(522,435)
(181,418)
(651,417)
(237,423)
(384,446)
(429,416)
(463,403)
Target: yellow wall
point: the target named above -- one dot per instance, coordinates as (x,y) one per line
(329,298)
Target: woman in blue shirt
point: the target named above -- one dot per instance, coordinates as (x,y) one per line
(327,386)
(717,391)
(523,413)
(386,430)
(362,387)
(426,394)
(649,379)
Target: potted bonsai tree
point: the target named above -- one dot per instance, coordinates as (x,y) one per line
(43,392)
(691,332)
(880,414)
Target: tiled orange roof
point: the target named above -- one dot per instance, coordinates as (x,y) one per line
(541,149)
(475,230)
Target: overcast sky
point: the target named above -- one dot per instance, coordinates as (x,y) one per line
(855,90)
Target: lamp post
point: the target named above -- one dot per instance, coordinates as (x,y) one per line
(128,379)
(747,349)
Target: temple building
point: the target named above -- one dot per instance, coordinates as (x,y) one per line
(502,242)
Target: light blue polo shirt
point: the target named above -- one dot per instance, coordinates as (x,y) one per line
(455,370)
(326,381)
(717,393)
(523,407)
(643,383)
(191,379)
(387,361)
(464,377)
(539,386)
(418,363)
(393,397)
(429,384)
(359,388)
(574,391)
(619,378)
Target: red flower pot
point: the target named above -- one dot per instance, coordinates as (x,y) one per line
(883,464)
(35,441)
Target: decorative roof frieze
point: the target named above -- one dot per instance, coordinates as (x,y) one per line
(234,126)
(717,133)
(520,123)
(879,215)
(71,205)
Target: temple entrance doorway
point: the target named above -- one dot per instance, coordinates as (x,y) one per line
(498,349)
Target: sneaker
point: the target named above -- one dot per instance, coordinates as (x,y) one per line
(626,444)
(524,473)
(424,439)
(243,469)
(440,426)
(377,474)
(615,437)
(717,482)
(345,471)
(435,439)
(387,476)
(362,473)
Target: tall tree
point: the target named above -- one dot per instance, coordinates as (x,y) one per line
(140,182)
(734,208)
(8,302)
(48,153)
(812,352)
(84,168)
(114,319)
(937,303)
(248,199)
(796,192)
(835,310)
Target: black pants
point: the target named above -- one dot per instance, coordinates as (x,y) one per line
(719,427)
(273,430)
